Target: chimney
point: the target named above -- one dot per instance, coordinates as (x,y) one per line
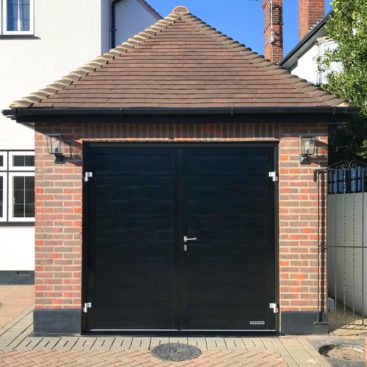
(310,13)
(273,30)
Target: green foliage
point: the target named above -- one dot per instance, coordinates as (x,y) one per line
(348,142)
(348,27)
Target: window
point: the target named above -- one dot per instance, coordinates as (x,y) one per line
(3,161)
(16,187)
(3,191)
(17,17)
(21,161)
(325,46)
(21,200)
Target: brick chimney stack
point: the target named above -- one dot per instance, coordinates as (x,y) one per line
(310,13)
(273,29)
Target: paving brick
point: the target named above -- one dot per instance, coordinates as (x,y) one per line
(19,348)
(12,307)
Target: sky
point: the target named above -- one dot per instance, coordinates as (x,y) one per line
(243,20)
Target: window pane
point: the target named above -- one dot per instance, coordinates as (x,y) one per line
(23,161)
(18,183)
(18,16)
(18,211)
(29,160)
(19,196)
(29,210)
(1,195)
(23,196)
(1,161)
(29,183)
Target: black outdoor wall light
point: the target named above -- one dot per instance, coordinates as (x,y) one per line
(54,146)
(308,148)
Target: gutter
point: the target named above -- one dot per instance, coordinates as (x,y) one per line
(33,114)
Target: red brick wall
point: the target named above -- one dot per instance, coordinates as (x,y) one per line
(273,51)
(310,13)
(59,203)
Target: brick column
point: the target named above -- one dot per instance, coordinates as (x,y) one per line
(58,253)
(302,267)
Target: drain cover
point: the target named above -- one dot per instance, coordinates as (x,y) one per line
(176,352)
(344,352)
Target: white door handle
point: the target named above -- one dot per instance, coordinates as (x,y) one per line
(188,239)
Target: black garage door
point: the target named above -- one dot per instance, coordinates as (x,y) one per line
(179,237)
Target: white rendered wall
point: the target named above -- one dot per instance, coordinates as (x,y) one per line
(16,248)
(307,65)
(68,35)
(106,25)
(131,18)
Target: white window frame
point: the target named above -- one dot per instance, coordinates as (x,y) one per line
(4,167)
(5,20)
(10,199)
(19,168)
(3,215)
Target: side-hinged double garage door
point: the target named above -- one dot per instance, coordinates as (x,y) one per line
(179,237)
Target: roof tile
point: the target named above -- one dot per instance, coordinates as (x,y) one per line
(180,62)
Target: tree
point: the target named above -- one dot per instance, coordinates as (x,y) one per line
(348,27)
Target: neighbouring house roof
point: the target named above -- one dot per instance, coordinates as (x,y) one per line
(180,63)
(290,60)
(149,8)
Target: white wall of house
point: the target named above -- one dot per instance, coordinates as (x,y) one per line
(16,248)
(307,66)
(30,64)
(67,35)
(132,18)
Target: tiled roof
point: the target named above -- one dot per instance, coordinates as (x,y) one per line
(180,62)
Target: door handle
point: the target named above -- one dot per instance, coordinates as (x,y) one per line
(186,240)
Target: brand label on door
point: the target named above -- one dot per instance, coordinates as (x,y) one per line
(257,322)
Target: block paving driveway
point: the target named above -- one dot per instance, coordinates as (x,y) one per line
(19,348)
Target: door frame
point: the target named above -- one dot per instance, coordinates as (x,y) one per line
(87,145)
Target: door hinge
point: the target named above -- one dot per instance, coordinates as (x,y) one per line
(273,176)
(87,176)
(86,306)
(274,307)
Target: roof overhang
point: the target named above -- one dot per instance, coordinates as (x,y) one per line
(290,60)
(258,114)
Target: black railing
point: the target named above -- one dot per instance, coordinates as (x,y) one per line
(347,178)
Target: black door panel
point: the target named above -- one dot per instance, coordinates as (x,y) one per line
(142,201)
(131,239)
(226,206)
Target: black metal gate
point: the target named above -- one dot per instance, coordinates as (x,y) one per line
(179,237)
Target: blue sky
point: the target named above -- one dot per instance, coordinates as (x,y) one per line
(239,19)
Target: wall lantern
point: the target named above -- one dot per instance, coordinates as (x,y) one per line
(54,146)
(308,148)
